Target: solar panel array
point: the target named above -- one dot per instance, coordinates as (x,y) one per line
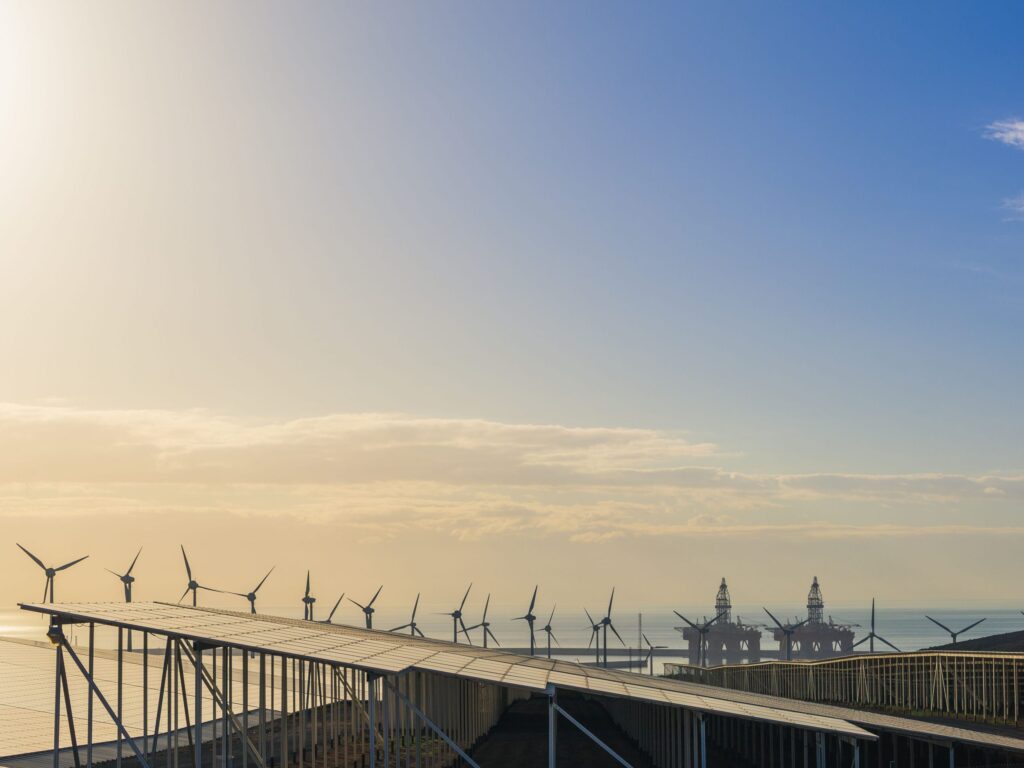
(27,688)
(388,653)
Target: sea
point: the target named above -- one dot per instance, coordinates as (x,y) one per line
(905,627)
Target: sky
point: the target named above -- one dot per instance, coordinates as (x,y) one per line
(561,293)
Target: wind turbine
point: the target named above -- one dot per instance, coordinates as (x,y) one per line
(126,578)
(595,628)
(368,608)
(331,614)
(549,631)
(457,618)
(702,631)
(872,635)
(651,648)
(606,623)
(953,634)
(485,624)
(411,626)
(307,602)
(530,618)
(787,631)
(251,596)
(193,585)
(50,572)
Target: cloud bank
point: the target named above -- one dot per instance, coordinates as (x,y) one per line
(384,474)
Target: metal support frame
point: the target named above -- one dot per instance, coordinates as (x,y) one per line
(554,708)
(429,723)
(218,698)
(122,732)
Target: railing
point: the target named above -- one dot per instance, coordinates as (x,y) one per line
(982,687)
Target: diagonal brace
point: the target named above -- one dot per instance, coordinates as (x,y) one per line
(218,697)
(102,699)
(430,724)
(590,735)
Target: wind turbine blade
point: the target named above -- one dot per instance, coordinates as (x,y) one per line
(970,626)
(487,603)
(717,617)
(556,640)
(307,584)
(73,562)
(861,641)
(463,625)
(331,614)
(375,596)
(491,635)
(399,629)
(872,615)
(613,629)
(463,603)
(183,595)
(36,559)
(800,623)
(533,600)
(475,626)
(130,567)
(939,623)
(610,599)
(552,613)
(363,607)
(777,622)
(188,568)
(113,572)
(677,613)
(644,636)
(591,618)
(414,607)
(593,632)
(889,644)
(46,590)
(418,631)
(264,579)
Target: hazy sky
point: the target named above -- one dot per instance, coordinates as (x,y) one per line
(584,294)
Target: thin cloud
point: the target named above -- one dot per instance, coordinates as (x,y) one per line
(1010,132)
(387,476)
(1015,205)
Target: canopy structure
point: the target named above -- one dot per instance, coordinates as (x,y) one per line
(370,680)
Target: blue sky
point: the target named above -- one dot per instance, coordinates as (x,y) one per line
(764,257)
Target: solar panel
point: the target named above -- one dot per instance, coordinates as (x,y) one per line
(384,652)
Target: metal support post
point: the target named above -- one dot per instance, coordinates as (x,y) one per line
(56,707)
(552,726)
(88,716)
(198,740)
(703,740)
(371,683)
(110,712)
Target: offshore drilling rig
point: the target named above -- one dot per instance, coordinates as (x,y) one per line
(818,638)
(727,641)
